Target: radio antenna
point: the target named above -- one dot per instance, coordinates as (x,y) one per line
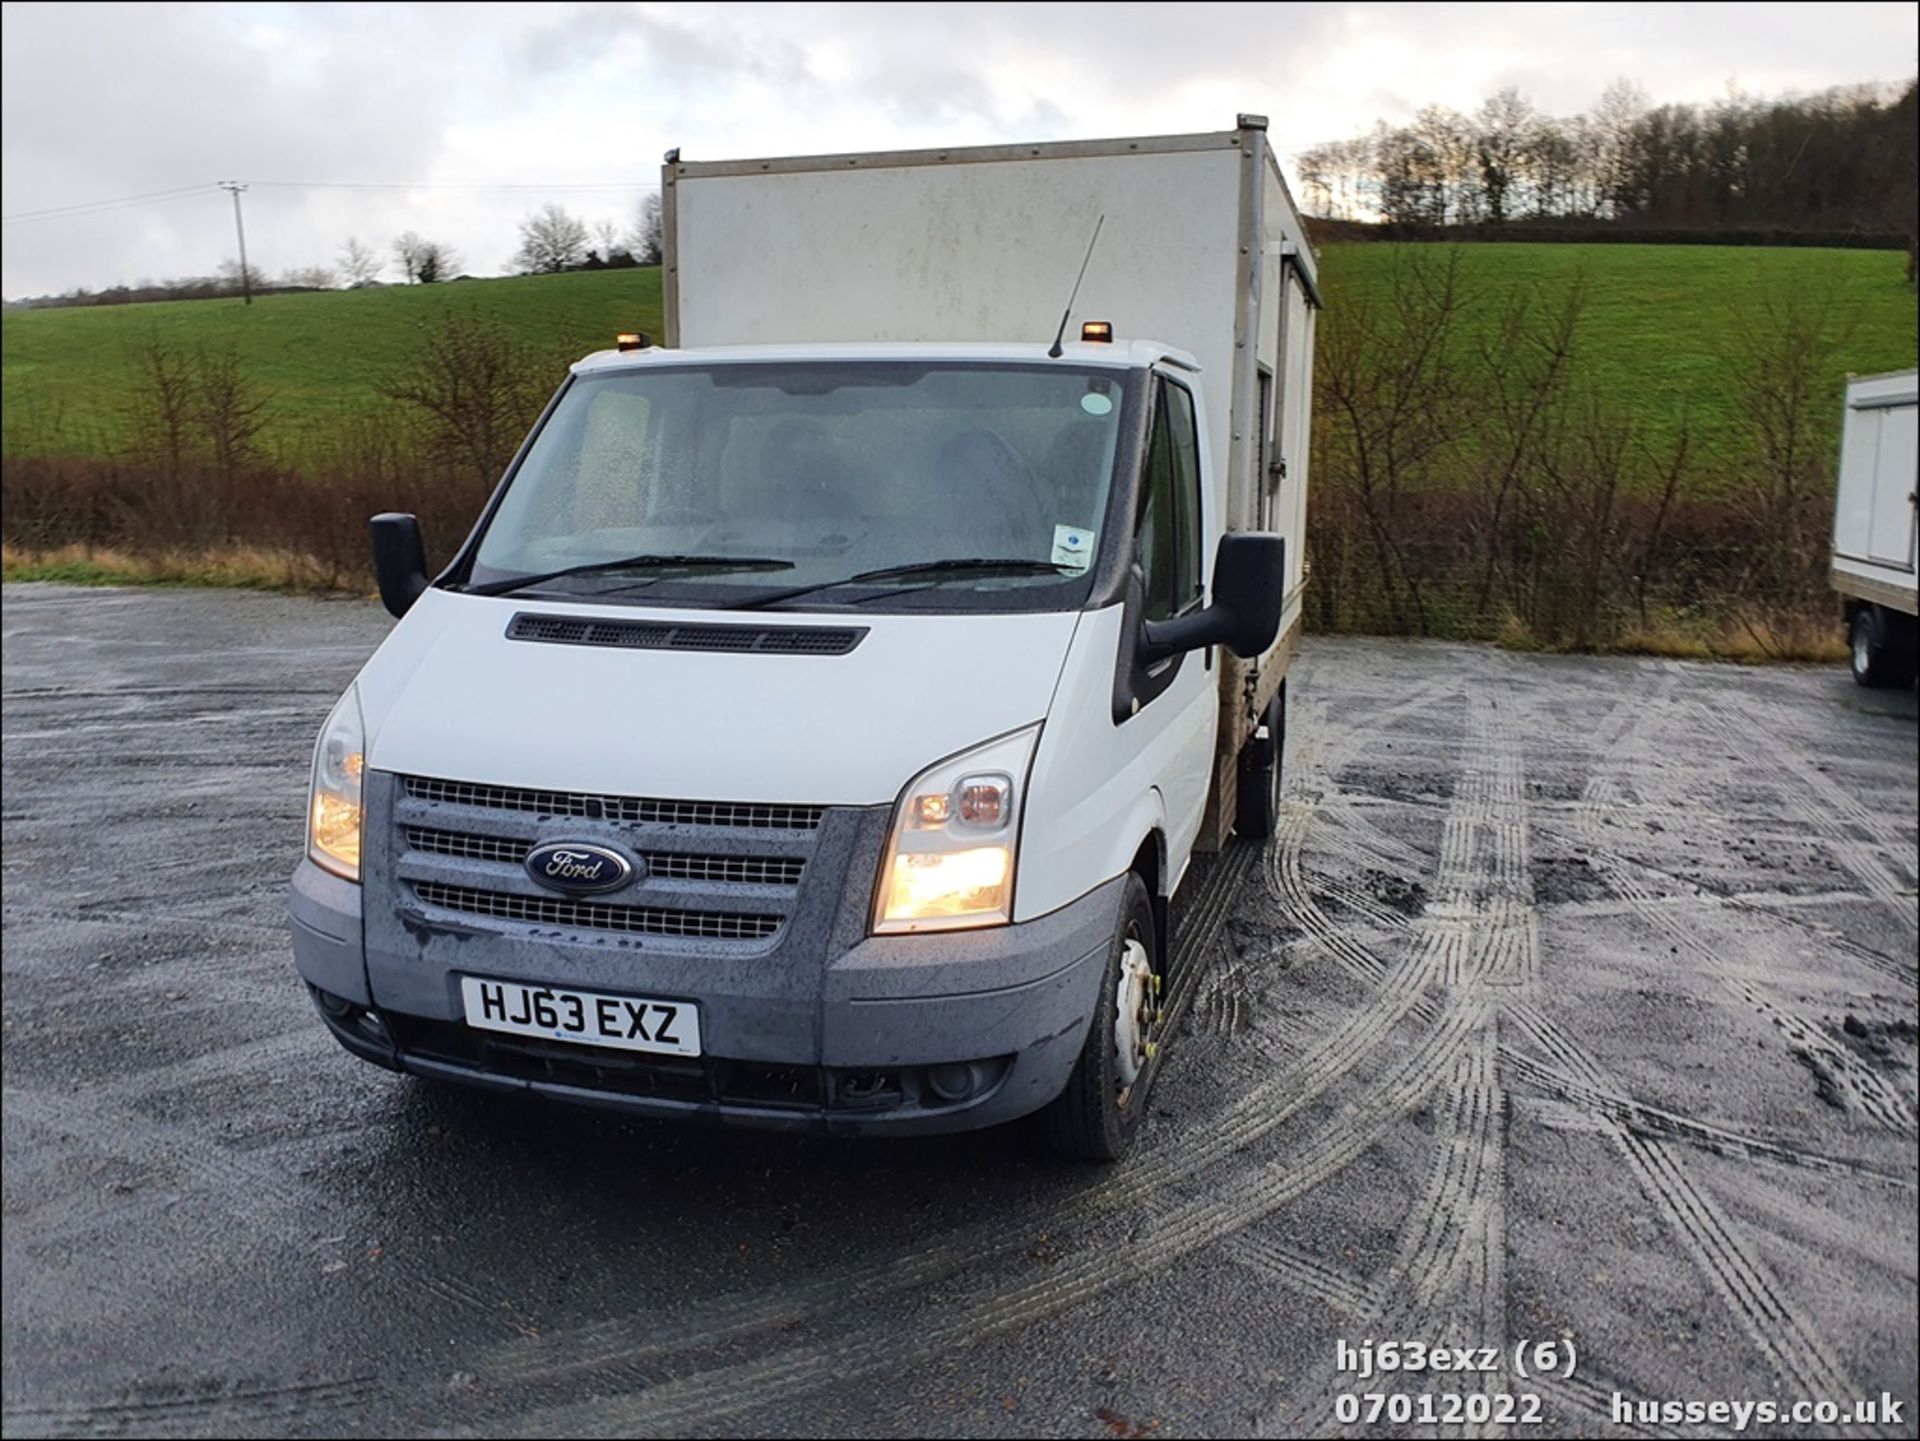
(1054,354)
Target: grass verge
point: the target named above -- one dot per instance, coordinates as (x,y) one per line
(234,568)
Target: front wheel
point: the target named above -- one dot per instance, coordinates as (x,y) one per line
(1097,1116)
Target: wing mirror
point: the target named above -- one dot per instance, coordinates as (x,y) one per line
(399,560)
(1249,591)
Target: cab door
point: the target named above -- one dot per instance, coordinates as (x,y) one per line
(1177,700)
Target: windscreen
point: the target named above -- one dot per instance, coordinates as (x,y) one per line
(819,472)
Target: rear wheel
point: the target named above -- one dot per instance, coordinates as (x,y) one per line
(1257,811)
(1097,1116)
(1875,658)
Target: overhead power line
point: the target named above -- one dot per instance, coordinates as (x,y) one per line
(460,185)
(155,197)
(90,207)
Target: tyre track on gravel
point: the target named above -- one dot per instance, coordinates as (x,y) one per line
(1608,1101)
(1296,1270)
(1785,1336)
(954,1322)
(1865,1089)
(1448,1274)
(1257,1111)
(230,1413)
(1449,1246)
(1907,973)
(1821,804)
(605,1346)
(278,1206)
(1771,1321)
(768,1380)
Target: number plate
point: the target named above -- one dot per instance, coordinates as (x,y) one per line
(587,1018)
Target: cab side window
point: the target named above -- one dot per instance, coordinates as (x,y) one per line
(1168,528)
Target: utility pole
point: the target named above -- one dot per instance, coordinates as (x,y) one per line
(234,187)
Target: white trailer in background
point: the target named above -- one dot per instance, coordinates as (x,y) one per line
(1874,539)
(1200,247)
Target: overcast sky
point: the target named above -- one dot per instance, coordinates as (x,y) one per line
(102,102)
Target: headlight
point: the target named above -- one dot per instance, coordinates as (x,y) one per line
(956,833)
(334,811)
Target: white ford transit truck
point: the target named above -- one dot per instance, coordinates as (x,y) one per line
(820,717)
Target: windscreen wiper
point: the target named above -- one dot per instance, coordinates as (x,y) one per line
(1022,565)
(634,562)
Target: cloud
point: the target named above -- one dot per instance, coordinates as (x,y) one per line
(119,100)
(103,101)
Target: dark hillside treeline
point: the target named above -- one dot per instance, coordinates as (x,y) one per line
(1841,161)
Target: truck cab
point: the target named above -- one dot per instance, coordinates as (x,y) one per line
(808,735)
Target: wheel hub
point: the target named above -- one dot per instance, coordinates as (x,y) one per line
(1132,1013)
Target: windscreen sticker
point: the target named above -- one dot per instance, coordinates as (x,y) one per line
(1096,404)
(1073,548)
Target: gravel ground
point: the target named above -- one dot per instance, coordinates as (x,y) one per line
(1574,1002)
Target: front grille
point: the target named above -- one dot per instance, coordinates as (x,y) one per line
(726,870)
(593,916)
(616,808)
(654,635)
(472,848)
(668,865)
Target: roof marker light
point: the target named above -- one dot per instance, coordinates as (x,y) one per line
(1097,331)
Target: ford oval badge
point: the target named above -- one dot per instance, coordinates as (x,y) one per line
(578,867)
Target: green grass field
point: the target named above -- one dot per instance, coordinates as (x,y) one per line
(63,373)
(1656,329)
(1659,318)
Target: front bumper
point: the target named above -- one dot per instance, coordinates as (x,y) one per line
(850,1034)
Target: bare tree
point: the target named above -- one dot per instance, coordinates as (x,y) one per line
(233,280)
(359,264)
(1669,469)
(1506,122)
(424,261)
(1615,119)
(647,243)
(1318,167)
(309,277)
(607,232)
(551,240)
(1783,358)
(161,407)
(1446,139)
(475,392)
(438,261)
(408,249)
(229,408)
(1393,403)
(1526,361)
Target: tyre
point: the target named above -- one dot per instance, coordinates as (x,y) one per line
(1258,808)
(1874,662)
(1096,1117)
